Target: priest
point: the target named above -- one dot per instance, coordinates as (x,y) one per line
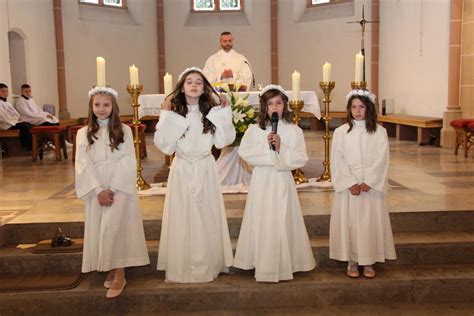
(228,65)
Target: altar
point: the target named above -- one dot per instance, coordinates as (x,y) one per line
(233,171)
(150,103)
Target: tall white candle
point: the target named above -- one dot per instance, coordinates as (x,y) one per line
(168,83)
(359,62)
(134,76)
(100,61)
(327,72)
(296,85)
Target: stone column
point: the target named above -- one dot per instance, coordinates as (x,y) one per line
(374,48)
(160,32)
(274,39)
(453,109)
(61,69)
(467,60)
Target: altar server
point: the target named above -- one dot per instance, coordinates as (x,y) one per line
(105,180)
(30,112)
(273,237)
(360,230)
(194,243)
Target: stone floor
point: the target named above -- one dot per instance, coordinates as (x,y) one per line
(421,179)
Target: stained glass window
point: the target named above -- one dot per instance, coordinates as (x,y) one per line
(107,3)
(216,5)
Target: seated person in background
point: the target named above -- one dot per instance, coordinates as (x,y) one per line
(30,112)
(10,119)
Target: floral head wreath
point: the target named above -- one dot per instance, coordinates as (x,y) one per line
(361,92)
(97,90)
(189,69)
(276,87)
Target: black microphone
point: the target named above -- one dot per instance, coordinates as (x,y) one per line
(253,76)
(274,120)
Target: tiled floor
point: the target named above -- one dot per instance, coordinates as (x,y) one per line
(421,179)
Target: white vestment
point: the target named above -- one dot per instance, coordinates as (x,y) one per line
(194,244)
(221,60)
(360,228)
(113,235)
(31,113)
(273,237)
(8,115)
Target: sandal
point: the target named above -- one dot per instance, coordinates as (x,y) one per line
(353,270)
(369,272)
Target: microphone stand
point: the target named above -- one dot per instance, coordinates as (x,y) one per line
(253,76)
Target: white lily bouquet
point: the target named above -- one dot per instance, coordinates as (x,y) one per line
(243,114)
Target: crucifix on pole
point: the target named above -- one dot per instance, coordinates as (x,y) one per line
(362,23)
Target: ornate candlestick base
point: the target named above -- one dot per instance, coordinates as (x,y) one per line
(327,87)
(296,106)
(358,85)
(135,93)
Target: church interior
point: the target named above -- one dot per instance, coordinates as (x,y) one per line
(418,59)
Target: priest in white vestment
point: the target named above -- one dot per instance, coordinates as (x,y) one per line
(228,65)
(360,229)
(30,112)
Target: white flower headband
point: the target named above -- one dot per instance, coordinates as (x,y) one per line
(189,69)
(361,92)
(97,90)
(276,87)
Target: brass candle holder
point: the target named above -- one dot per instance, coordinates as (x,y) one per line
(135,93)
(296,106)
(327,87)
(358,85)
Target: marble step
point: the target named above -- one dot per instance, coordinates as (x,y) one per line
(454,247)
(432,284)
(13,234)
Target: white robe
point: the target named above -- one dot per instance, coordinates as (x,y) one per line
(8,115)
(113,236)
(221,60)
(31,113)
(360,228)
(273,237)
(194,244)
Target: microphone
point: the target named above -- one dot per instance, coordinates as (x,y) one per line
(253,76)
(274,121)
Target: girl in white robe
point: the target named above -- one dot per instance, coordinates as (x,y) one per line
(273,237)
(360,230)
(105,180)
(194,244)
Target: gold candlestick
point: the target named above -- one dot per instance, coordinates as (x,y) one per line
(135,93)
(358,85)
(296,106)
(327,87)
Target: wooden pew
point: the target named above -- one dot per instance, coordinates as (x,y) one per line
(11,138)
(408,127)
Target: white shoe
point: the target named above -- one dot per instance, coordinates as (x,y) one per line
(114,293)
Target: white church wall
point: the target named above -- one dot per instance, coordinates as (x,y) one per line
(414,48)
(34,21)
(122,37)
(5,76)
(305,43)
(190,38)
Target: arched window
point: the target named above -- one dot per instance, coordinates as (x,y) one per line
(216,5)
(106,3)
(316,3)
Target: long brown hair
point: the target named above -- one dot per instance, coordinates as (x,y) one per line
(206,100)
(263,118)
(370,113)
(115,125)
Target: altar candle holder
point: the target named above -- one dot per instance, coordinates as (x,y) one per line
(327,87)
(135,92)
(296,106)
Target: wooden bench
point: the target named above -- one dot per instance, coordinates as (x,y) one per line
(11,133)
(11,138)
(408,127)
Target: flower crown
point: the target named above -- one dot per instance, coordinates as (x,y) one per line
(361,92)
(276,87)
(189,69)
(97,90)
